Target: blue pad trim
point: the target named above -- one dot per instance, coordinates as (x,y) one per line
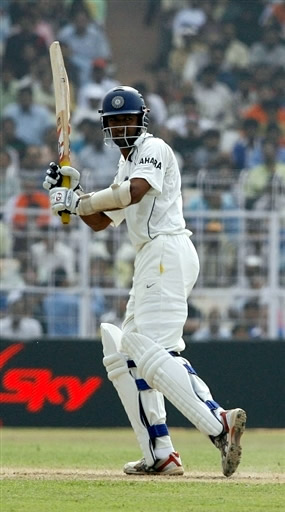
(212,404)
(142,385)
(190,369)
(157,431)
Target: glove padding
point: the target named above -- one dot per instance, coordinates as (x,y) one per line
(63,199)
(55,173)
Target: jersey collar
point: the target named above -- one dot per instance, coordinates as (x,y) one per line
(142,138)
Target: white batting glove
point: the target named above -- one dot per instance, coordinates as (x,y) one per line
(55,173)
(63,199)
(53,177)
(73,174)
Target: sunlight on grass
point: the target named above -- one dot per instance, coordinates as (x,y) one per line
(80,470)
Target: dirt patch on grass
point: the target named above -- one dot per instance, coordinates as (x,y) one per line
(191,476)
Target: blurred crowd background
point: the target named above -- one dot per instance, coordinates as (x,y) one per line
(213,74)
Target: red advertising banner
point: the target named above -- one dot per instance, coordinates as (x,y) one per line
(63,383)
(36,386)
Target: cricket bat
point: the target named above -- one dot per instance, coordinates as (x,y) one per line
(62,108)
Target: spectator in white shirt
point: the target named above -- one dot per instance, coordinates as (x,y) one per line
(215,100)
(269,50)
(31,120)
(99,78)
(214,330)
(49,254)
(18,323)
(87,40)
(236,52)
(97,161)
(155,101)
(192,15)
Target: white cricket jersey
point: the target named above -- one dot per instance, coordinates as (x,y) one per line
(160,210)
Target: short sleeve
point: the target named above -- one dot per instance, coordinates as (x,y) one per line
(151,164)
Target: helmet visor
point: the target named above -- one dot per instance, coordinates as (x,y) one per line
(122,136)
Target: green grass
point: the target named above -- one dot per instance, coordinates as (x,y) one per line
(80,470)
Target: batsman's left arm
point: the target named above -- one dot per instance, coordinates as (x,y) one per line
(97,221)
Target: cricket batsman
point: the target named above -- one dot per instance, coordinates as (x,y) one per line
(144,360)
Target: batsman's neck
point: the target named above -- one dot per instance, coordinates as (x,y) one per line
(125,152)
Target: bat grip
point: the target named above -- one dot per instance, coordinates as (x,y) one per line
(65,217)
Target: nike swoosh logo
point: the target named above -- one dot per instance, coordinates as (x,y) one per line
(150,285)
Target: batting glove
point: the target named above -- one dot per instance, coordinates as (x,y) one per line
(54,176)
(63,199)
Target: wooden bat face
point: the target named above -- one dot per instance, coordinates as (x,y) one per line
(62,102)
(63,146)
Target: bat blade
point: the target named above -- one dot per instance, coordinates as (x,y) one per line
(62,107)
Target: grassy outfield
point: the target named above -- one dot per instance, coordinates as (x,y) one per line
(80,470)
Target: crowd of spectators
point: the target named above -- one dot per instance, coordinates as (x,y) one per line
(217,95)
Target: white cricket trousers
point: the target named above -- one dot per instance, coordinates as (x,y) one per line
(165,271)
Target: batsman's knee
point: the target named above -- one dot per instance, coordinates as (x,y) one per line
(149,356)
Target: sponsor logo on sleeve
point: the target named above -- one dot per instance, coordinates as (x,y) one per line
(150,160)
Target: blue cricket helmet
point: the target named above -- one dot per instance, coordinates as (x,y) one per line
(123,100)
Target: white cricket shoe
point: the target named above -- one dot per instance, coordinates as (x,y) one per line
(170,466)
(229,441)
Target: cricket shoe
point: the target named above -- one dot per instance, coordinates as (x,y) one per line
(172,465)
(229,441)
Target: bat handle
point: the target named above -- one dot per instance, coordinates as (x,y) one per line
(65,217)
